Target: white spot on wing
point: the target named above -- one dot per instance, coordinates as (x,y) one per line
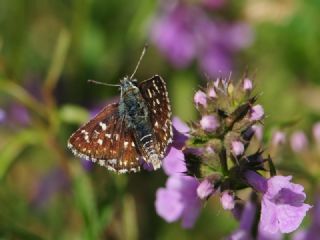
(103,126)
(100,141)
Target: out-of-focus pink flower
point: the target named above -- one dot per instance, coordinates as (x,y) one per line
(200,98)
(215,61)
(179,200)
(174,35)
(239,36)
(209,123)
(316,131)
(278,138)
(298,141)
(257,113)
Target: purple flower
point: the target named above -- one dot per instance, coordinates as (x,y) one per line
(283,207)
(258,182)
(237,148)
(246,223)
(179,200)
(200,98)
(205,189)
(174,35)
(257,113)
(180,125)
(54,181)
(209,123)
(2,115)
(247,84)
(227,200)
(316,131)
(215,61)
(174,162)
(298,141)
(168,204)
(278,138)
(180,133)
(239,36)
(312,232)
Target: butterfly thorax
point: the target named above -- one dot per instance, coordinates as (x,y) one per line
(133,108)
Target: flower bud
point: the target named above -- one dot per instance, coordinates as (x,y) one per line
(209,123)
(205,189)
(200,98)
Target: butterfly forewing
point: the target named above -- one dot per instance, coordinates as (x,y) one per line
(106,140)
(154,91)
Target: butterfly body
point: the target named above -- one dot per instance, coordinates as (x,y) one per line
(133,108)
(137,127)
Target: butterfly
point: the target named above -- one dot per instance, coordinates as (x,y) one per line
(126,133)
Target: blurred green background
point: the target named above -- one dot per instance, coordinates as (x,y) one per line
(48,51)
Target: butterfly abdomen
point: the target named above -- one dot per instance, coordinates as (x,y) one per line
(133,105)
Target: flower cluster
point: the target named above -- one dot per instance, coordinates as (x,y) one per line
(184,32)
(214,154)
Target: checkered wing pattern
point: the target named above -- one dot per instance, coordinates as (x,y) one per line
(106,140)
(155,93)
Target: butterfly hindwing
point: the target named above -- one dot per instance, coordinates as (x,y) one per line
(154,91)
(102,140)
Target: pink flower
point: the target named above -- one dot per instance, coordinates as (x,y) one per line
(209,123)
(298,141)
(200,98)
(283,207)
(257,113)
(179,200)
(316,131)
(278,138)
(174,163)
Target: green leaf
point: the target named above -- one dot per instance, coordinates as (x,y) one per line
(14,146)
(73,114)
(86,202)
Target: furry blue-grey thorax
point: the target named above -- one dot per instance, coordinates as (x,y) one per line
(133,110)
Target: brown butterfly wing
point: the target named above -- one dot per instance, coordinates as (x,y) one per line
(154,91)
(106,140)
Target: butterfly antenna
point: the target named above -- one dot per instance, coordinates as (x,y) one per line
(140,59)
(101,83)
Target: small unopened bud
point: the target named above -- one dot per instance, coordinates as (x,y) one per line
(247,84)
(237,148)
(205,189)
(257,113)
(200,98)
(209,123)
(298,141)
(212,93)
(227,200)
